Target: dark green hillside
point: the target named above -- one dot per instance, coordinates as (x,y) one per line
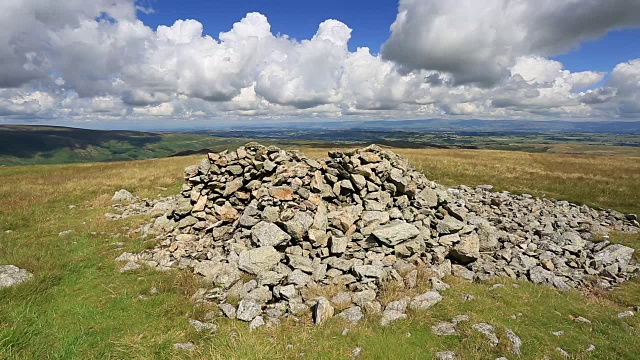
(26,145)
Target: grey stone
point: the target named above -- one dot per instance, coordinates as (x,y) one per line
(395,233)
(426,300)
(460,318)
(123,195)
(288,292)
(11,275)
(299,225)
(269,234)
(65,233)
(398,305)
(130,266)
(371,271)
(322,311)
(257,322)
(467,250)
(233,186)
(261,295)
(352,314)
(581,319)
(562,352)
(339,244)
(428,197)
(299,278)
(625,314)
(297,307)
(269,278)
(449,225)
(446,355)
(188,346)
(300,262)
(341,299)
(444,328)
(248,309)
(360,298)
(488,331)
(438,284)
(411,279)
(462,272)
(615,254)
(200,326)
(389,316)
(228,310)
(515,341)
(259,260)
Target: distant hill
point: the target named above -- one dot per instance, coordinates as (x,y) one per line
(25,145)
(441,125)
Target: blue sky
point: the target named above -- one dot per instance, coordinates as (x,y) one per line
(370,21)
(63,61)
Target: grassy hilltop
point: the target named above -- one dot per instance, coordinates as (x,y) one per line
(79,306)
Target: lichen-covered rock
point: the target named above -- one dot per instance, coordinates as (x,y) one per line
(123,195)
(425,301)
(268,234)
(389,316)
(396,232)
(322,311)
(12,275)
(259,260)
(248,309)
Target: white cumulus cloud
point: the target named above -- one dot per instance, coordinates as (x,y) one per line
(69,59)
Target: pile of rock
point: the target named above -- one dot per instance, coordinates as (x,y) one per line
(359,219)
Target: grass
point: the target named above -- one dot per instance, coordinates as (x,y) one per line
(79,306)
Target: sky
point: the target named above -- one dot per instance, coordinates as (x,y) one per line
(124,61)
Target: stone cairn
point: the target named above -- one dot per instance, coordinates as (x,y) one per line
(264,226)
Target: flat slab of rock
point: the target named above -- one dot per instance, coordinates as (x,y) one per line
(200,326)
(281,193)
(259,260)
(395,233)
(352,315)
(268,234)
(11,275)
(389,316)
(444,329)
(615,254)
(425,301)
